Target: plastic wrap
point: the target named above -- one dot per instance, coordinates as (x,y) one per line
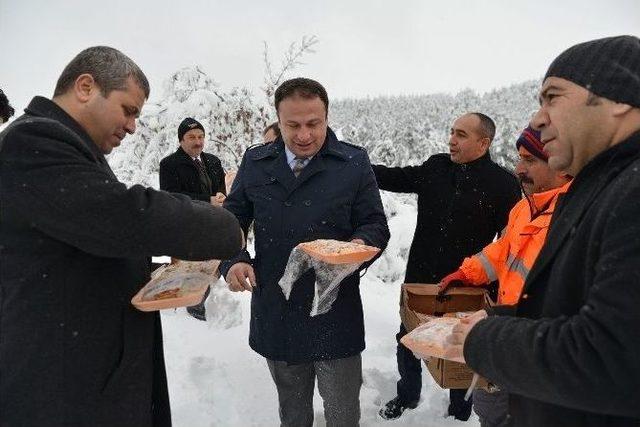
(429,339)
(328,278)
(181,284)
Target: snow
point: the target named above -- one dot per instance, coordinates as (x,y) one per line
(215,379)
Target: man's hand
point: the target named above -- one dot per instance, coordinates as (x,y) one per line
(453,279)
(241,277)
(454,344)
(218,199)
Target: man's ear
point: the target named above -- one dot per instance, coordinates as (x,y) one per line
(485,142)
(85,87)
(618,109)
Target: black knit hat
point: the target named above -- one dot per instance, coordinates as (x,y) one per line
(187,125)
(608,67)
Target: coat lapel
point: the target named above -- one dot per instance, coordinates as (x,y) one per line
(185,159)
(280,170)
(330,149)
(315,166)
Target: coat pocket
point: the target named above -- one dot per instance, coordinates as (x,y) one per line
(120,371)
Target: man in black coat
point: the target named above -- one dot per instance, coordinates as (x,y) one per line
(569,352)
(76,244)
(191,171)
(195,173)
(304,186)
(464,199)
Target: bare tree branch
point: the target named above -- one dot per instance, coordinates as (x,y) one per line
(290,61)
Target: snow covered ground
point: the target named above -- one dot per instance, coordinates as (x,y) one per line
(215,379)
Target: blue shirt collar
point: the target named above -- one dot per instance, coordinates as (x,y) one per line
(291,157)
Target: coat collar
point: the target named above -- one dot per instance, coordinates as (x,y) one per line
(474,164)
(281,171)
(185,158)
(542,205)
(582,192)
(546,200)
(331,147)
(43,107)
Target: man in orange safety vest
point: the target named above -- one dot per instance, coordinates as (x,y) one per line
(509,259)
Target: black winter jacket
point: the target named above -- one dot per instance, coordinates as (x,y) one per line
(179,174)
(571,357)
(75,244)
(461,208)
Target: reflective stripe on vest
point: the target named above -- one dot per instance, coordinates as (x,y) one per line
(516,264)
(488,267)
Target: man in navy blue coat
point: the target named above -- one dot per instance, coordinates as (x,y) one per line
(304,186)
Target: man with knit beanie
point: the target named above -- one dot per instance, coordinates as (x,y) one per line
(569,354)
(510,258)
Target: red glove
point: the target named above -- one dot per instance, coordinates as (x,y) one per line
(456,278)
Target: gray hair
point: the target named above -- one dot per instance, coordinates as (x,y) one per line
(109,67)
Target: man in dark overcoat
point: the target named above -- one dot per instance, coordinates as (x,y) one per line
(195,173)
(304,186)
(569,352)
(191,171)
(464,199)
(76,245)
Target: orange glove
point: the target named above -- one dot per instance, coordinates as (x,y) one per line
(456,278)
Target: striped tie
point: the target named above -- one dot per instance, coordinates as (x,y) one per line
(298,165)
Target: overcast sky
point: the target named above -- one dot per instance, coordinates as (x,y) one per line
(366,47)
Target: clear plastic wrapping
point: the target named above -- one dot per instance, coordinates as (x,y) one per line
(429,339)
(328,278)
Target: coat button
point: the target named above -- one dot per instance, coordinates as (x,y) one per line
(288,204)
(307,203)
(272,179)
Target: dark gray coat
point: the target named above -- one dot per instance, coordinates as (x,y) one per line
(571,356)
(335,197)
(75,247)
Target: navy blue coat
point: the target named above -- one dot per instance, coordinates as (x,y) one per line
(335,197)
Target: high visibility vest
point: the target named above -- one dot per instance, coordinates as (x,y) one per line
(510,258)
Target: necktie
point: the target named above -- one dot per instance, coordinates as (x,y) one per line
(298,165)
(199,163)
(204,177)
